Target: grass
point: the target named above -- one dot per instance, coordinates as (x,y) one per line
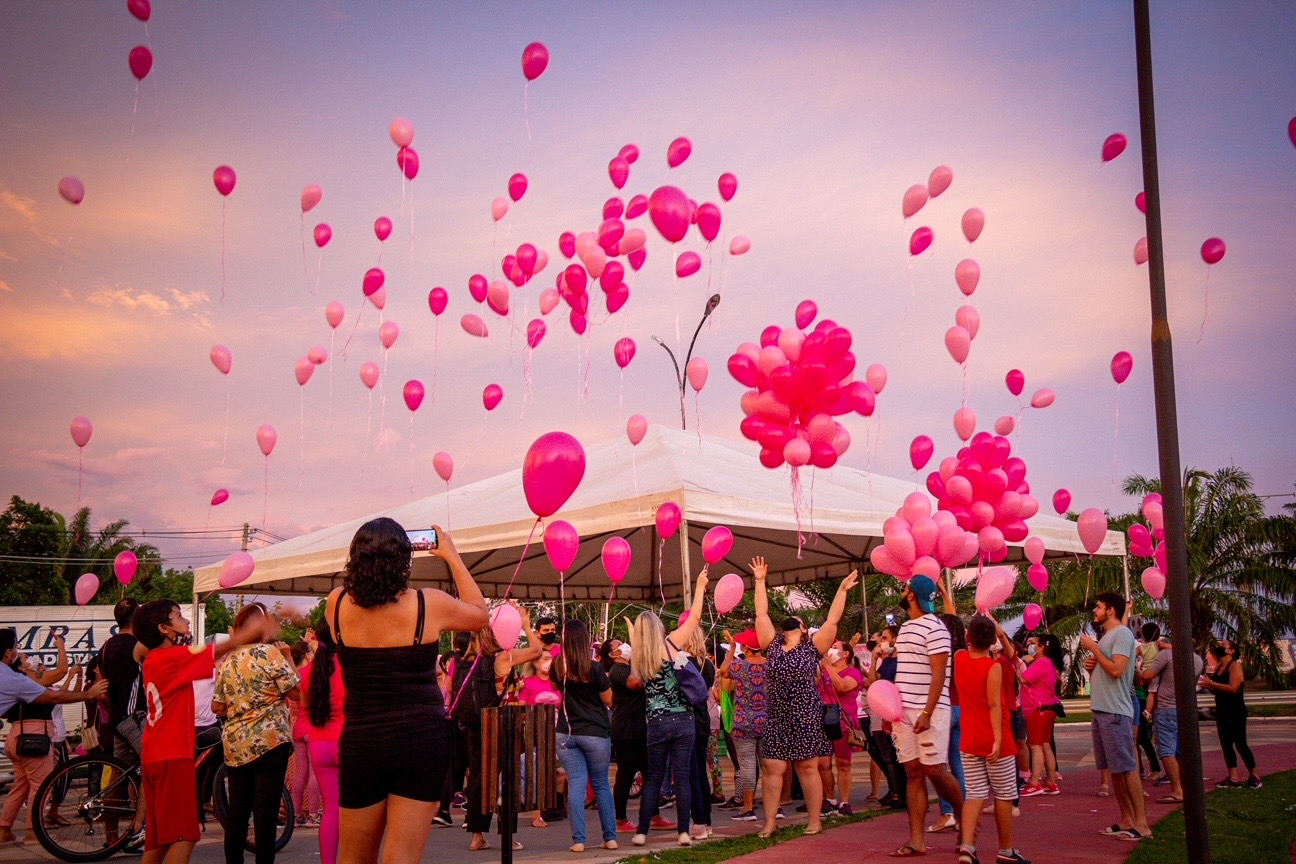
(1246,826)
(732,847)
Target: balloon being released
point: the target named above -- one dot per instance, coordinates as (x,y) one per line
(616,559)
(1043,398)
(668,519)
(236,569)
(323,234)
(267,437)
(401,131)
(561,543)
(876,376)
(739,245)
(636,428)
(623,351)
(388,333)
(71,189)
(220,496)
(687,264)
(920,240)
(668,207)
(224,179)
(1121,366)
(311,196)
(1092,527)
(994,586)
(413,393)
(1154,583)
(973,223)
(939,180)
(303,371)
(920,451)
(87,586)
(1212,251)
(1038,577)
(140,9)
(728,593)
(491,396)
(124,566)
(474,326)
(506,625)
(967,273)
(914,199)
(81,431)
(964,423)
(1140,251)
(382,228)
(1016,381)
(728,186)
(553,468)
(535,60)
(1061,501)
(140,61)
(1032,616)
(443,464)
(678,151)
(221,359)
(716,543)
(1113,146)
(334,312)
(369,374)
(517,186)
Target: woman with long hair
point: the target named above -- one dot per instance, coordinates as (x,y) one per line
(324,699)
(1044,665)
(303,782)
(654,658)
(1227,683)
(394,746)
(585,730)
(253,688)
(794,732)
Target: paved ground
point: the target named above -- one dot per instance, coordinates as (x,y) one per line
(1054,830)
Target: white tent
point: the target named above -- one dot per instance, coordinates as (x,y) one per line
(714,481)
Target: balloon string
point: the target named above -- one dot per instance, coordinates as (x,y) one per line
(58,278)
(382,396)
(661,590)
(697,419)
(301,438)
(80,469)
(526,114)
(381,245)
(1205,307)
(1115,437)
(305,268)
(796,507)
(436,352)
(354,327)
(319,268)
(265,495)
(411,453)
(447,525)
(224,204)
(225,444)
(368,434)
(130,142)
(814,536)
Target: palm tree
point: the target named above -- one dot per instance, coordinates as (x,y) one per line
(82,550)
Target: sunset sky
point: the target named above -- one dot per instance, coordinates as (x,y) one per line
(825,112)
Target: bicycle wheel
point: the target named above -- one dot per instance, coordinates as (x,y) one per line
(93,818)
(220,806)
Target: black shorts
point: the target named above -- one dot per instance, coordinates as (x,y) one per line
(409,764)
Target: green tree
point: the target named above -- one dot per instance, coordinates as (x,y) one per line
(29,546)
(84,550)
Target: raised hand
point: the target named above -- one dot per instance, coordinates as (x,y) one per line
(759,569)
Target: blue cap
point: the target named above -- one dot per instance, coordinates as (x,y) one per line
(925,590)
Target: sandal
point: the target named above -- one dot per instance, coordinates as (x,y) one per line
(967,856)
(908,851)
(945,823)
(538,822)
(1104,791)
(1169,799)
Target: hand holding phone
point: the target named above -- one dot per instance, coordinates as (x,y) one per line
(422,539)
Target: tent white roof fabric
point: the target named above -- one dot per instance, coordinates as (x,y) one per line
(714,481)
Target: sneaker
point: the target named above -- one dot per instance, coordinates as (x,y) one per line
(639,839)
(661,823)
(779,814)
(460,802)
(136,842)
(1163,780)
(1254,783)
(828,809)
(1052,789)
(443,819)
(698,833)
(1013,857)
(845,809)
(1032,790)
(1227,783)
(625,826)
(666,801)
(731,804)
(684,839)
(744,816)
(801,808)
(718,798)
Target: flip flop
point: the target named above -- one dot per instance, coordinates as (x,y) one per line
(1112,830)
(1169,799)
(907,851)
(1131,834)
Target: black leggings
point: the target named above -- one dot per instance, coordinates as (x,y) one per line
(1145,739)
(701,779)
(477,821)
(631,759)
(896,776)
(255,790)
(454,782)
(1232,733)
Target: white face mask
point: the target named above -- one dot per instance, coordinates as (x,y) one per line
(833,655)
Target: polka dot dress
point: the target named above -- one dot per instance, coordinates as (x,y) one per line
(794,730)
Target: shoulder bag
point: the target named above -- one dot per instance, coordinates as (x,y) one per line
(690,680)
(33,745)
(832,716)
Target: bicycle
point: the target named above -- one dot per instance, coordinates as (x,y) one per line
(100,790)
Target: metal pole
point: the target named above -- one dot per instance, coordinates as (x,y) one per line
(508,767)
(684,562)
(1190,767)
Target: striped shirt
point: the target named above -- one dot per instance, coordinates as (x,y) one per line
(919,640)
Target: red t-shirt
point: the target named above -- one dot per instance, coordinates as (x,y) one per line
(971,673)
(169,674)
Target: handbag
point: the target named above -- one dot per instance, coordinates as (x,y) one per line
(33,745)
(832,720)
(690,680)
(89,737)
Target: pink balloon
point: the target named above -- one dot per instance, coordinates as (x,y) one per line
(553,468)
(967,317)
(616,559)
(506,625)
(1154,583)
(1016,381)
(413,393)
(964,423)
(374,278)
(140,9)
(1061,501)
(311,196)
(1043,398)
(739,245)
(916,506)
(224,178)
(708,221)
(920,451)
(716,543)
(973,223)
(728,593)
(221,359)
(499,209)
(636,428)
(958,342)
(1212,251)
(876,376)
(1121,366)
(497,297)
(87,586)
(81,431)
(1034,550)
(323,234)
(378,298)
(140,60)
(236,569)
(636,207)
(967,273)
(124,566)
(668,519)
(728,185)
(1113,146)
(797,452)
(1154,513)
(884,701)
(382,228)
(914,199)
(491,396)
(994,586)
(1038,577)
(535,59)
(920,240)
(1140,201)
(443,464)
(317,355)
(678,152)
(697,371)
(474,326)
(1140,251)
(1159,556)
(369,374)
(687,264)
(407,160)
(72,190)
(1032,616)
(939,180)
(806,311)
(220,496)
(517,186)
(548,300)
(1005,425)
(1092,527)
(334,312)
(388,333)
(303,371)
(1291,131)
(623,351)
(632,242)
(668,207)
(401,131)
(562,544)
(438,299)
(266,438)
(536,330)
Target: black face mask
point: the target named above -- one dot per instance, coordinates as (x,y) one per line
(548,638)
(1218,652)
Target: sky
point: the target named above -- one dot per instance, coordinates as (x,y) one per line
(825,112)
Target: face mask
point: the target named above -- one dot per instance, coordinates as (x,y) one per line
(1030,649)
(548,638)
(1218,653)
(888,649)
(833,655)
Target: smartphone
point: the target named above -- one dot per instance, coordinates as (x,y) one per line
(422,540)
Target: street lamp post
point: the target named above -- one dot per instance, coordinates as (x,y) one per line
(679,373)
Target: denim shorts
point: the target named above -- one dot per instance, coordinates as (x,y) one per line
(1113,742)
(1165,725)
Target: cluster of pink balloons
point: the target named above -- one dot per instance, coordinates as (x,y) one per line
(800,381)
(984,487)
(1149,542)
(401,131)
(917,541)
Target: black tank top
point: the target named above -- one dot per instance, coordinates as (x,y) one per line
(389,691)
(1228,704)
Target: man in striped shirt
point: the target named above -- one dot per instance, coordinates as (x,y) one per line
(922,734)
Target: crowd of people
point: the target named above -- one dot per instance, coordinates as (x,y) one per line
(789,702)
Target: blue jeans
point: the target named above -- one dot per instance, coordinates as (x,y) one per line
(955,760)
(586,758)
(670,750)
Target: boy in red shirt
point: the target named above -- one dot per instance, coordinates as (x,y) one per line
(989,762)
(170,666)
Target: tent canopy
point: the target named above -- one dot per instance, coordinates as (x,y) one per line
(714,482)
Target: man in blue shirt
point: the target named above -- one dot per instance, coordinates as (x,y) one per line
(16,687)
(1111,669)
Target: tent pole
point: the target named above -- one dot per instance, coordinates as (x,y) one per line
(684,562)
(864,606)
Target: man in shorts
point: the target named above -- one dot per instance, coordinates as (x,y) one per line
(1159,676)
(1111,677)
(923,732)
